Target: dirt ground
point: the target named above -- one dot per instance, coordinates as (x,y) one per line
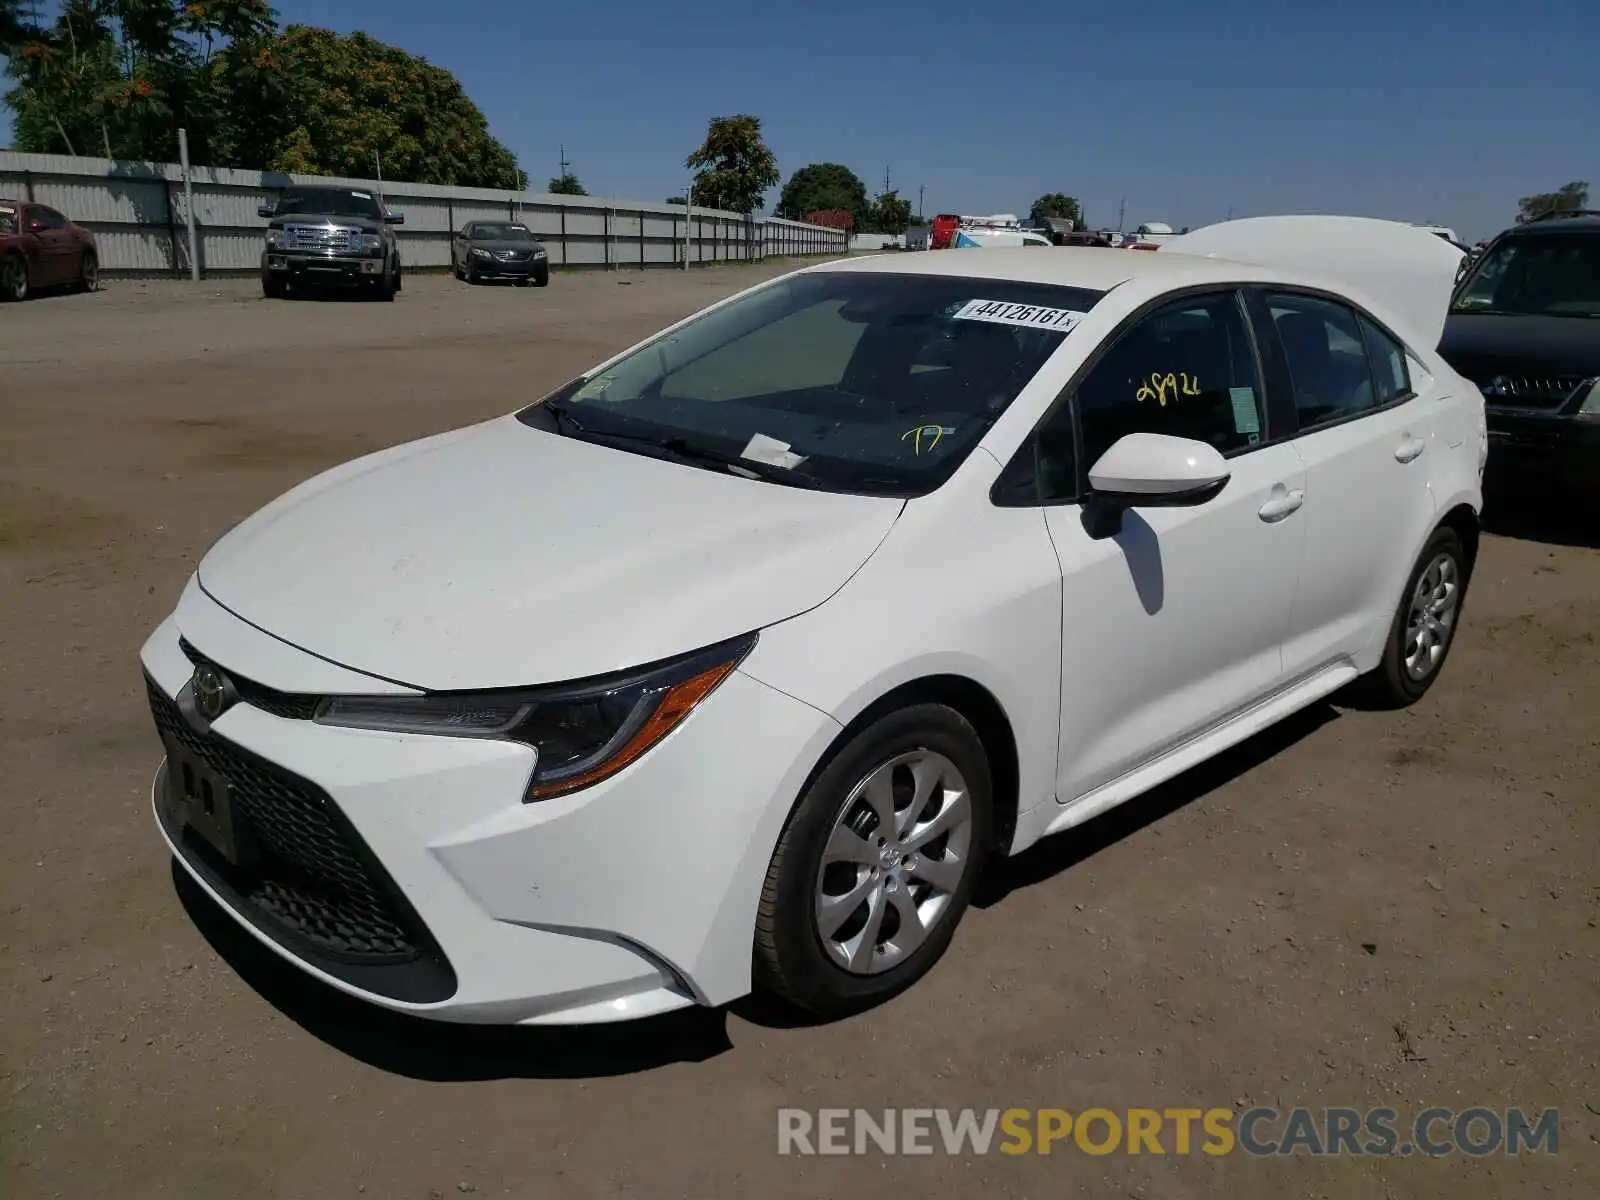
(1357,909)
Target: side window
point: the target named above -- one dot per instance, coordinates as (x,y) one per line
(50,217)
(1388,358)
(1327,358)
(1188,370)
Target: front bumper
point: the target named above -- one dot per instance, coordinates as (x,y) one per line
(1544,453)
(408,871)
(322,269)
(495,268)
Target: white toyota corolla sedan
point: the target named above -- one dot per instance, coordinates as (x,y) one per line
(728,664)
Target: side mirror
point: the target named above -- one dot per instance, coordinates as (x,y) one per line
(1150,470)
(266,210)
(394,218)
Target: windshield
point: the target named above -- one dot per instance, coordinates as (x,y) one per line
(1543,274)
(329,203)
(501,233)
(861,382)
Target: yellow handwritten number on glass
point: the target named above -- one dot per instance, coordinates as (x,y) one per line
(916,436)
(1162,388)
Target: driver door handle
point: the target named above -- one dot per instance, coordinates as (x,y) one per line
(1409,449)
(1280,506)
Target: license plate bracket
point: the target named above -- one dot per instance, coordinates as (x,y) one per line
(204,799)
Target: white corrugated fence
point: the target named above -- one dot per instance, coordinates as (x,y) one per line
(136,210)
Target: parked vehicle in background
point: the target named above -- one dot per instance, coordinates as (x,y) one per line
(1524,325)
(40,248)
(728,663)
(482,250)
(330,237)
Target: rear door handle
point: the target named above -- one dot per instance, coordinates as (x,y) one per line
(1409,449)
(1281,505)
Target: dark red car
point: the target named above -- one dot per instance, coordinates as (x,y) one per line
(39,248)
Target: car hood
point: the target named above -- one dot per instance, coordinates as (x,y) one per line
(1483,345)
(364,224)
(501,555)
(496,247)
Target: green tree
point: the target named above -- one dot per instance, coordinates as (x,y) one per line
(1569,197)
(1059,206)
(567,185)
(734,170)
(891,214)
(822,187)
(119,77)
(355,97)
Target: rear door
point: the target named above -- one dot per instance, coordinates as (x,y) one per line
(58,249)
(1366,437)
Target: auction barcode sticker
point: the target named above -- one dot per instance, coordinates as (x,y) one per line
(1029,316)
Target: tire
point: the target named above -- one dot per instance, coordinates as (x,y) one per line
(398,278)
(456,270)
(470,274)
(542,279)
(14,282)
(384,289)
(1437,581)
(806,958)
(88,272)
(273,288)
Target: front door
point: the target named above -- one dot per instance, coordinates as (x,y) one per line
(1178,621)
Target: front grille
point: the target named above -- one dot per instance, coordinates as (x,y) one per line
(513,255)
(318,237)
(293,706)
(311,883)
(1529,391)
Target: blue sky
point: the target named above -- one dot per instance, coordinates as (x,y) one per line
(1444,110)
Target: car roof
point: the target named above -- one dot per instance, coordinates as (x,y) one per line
(1096,268)
(1584,221)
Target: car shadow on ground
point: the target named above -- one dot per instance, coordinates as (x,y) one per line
(1054,855)
(435,1051)
(1531,519)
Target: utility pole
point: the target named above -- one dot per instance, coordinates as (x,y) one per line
(564,163)
(886,181)
(378,166)
(920,188)
(1122,209)
(188,204)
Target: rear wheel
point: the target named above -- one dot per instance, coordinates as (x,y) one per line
(89,272)
(1424,626)
(877,863)
(14,278)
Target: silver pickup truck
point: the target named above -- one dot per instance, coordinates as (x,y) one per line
(330,236)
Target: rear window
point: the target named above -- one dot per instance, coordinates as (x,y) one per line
(870,382)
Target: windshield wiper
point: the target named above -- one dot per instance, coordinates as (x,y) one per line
(677,449)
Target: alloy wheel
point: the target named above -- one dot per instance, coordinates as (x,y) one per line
(898,850)
(1431,618)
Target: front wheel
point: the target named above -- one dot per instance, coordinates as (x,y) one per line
(1424,626)
(542,279)
(89,272)
(14,284)
(877,863)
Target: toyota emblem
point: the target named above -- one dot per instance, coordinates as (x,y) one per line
(211,692)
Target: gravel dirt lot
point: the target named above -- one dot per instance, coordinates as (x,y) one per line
(1358,908)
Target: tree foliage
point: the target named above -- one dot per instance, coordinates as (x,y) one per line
(823,187)
(567,185)
(1569,197)
(1057,205)
(891,214)
(119,77)
(733,168)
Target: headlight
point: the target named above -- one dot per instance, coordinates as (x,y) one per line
(481,253)
(580,733)
(539,253)
(371,242)
(275,238)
